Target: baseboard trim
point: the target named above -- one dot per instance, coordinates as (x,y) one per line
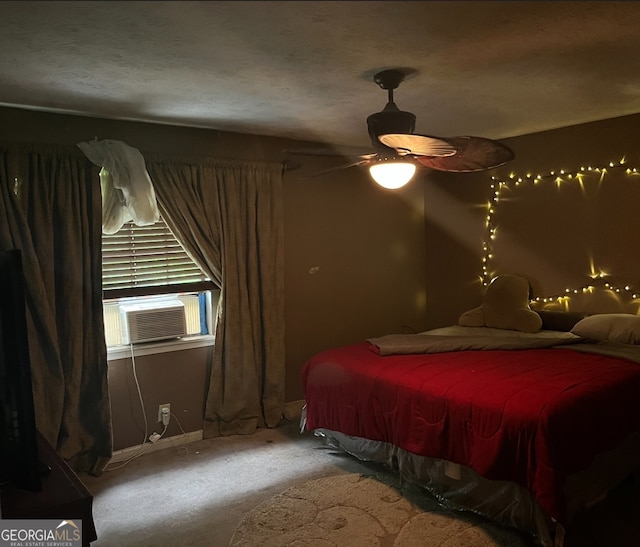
(175,440)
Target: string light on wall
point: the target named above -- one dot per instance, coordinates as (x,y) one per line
(500,187)
(624,290)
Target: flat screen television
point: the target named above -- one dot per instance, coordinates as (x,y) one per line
(19,461)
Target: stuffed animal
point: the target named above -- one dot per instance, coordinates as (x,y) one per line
(505,306)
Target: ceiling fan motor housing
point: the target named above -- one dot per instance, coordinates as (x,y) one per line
(390,120)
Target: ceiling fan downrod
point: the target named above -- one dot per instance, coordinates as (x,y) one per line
(389,80)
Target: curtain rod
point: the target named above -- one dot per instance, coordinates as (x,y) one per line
(287,165)
(291,165)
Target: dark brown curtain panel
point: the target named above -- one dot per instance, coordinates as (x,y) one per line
(229,218)
(53,214)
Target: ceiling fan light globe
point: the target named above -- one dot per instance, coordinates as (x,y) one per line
(392,174)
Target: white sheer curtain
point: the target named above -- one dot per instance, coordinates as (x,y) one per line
(127,191)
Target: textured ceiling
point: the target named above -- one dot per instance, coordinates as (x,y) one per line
(304,69)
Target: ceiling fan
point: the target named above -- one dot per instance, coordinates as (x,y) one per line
(397,150)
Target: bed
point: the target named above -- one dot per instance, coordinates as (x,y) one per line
(526,428)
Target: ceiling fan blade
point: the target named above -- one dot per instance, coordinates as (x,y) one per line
(344,151)
(343,166)
(473,154)
(418,145)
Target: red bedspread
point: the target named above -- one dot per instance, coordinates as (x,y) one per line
(529,416)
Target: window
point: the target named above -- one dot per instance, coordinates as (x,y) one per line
(145,266)
(142,260)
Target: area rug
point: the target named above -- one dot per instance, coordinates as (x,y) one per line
(354,510)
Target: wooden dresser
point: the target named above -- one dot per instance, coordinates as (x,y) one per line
(63,496)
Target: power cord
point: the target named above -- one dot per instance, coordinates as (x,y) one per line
(179,424)
(182,450)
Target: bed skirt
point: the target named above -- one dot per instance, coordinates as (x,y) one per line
(457,487)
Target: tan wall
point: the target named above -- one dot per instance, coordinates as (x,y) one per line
(175,377)
(366,243)
(355,264)
(552,251)
(360,261)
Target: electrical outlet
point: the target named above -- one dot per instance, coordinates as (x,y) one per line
(164,411)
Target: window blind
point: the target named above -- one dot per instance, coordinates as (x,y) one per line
(139,257)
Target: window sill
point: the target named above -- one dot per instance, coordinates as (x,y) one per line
(151,348)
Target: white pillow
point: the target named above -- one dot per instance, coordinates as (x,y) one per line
(623,328)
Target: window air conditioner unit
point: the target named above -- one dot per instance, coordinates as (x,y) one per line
(154,320)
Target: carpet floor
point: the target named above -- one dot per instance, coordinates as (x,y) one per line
(213,492)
